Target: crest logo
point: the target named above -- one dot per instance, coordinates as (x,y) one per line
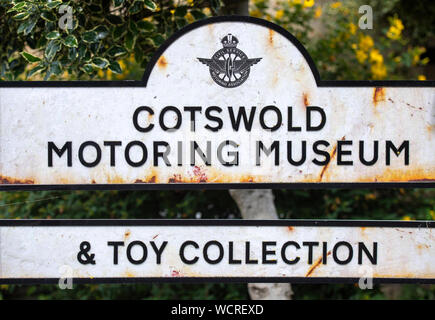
(229,66)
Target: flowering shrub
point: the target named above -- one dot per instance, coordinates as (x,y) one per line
(341,50)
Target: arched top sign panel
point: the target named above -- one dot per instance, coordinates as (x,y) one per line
(227,102)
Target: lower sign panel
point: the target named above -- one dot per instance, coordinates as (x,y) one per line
(44,251)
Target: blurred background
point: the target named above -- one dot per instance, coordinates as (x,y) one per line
(114,40)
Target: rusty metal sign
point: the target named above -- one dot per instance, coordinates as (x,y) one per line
(89,251)
(226,102)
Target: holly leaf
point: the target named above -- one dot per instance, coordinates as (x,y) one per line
(100,63)
(71,41)
(30,57)
(115,67)
(150,5)
(116,51)
(52,35)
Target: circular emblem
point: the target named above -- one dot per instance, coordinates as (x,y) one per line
(229,66)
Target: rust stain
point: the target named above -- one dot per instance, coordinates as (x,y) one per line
(315,265)
(9,180)
(271,34)
(129,274)
(332,155)
(176,178)
(417,174)
(200,175)
(175,273)
(306,100)
(378,95)
(290,228)
(162,62)
(127,234)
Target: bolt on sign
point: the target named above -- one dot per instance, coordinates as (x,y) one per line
(44,251)
(225,102)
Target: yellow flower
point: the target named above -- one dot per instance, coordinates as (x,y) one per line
(318,12)
(397,59)
(432,214)
(189,17)
(293,2)
(101,74)
(354,46)
(308,3)
(352,28)
(393,33)
(407,218)
(336,5)
(379,71)
(395,29)
(279,14)
(190,2)
(421,77)
(376,56)
(206,11)
(365,43)
(361,56)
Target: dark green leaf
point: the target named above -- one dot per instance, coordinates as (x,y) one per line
(198,15)
(27,26)
(52,48)
(117,3)
(180,11)
(88,68)
(35,70)
(136,7)
(18,7)
(116,20)
(115,67)
(48,16)
(71,41)
(53,4)
(132,26)
(21,16)
(116,51)
(118,32)
(150,5)
(52,35)
(158,40)
(29,57)
(101,32)
(100,63)
(55,68)
(145,26)
(90,37)
(130,40)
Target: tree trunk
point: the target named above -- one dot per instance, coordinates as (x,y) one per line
(256,204)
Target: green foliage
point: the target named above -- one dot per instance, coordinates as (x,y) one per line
(81,44)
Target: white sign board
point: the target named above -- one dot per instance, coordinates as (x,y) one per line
(44,251)
(228,101)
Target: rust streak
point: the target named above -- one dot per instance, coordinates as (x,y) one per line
(378,95)
(332,155)
(315,265)
(162,62)
(271,33)
(9,180)
(290,228)
(306,100)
